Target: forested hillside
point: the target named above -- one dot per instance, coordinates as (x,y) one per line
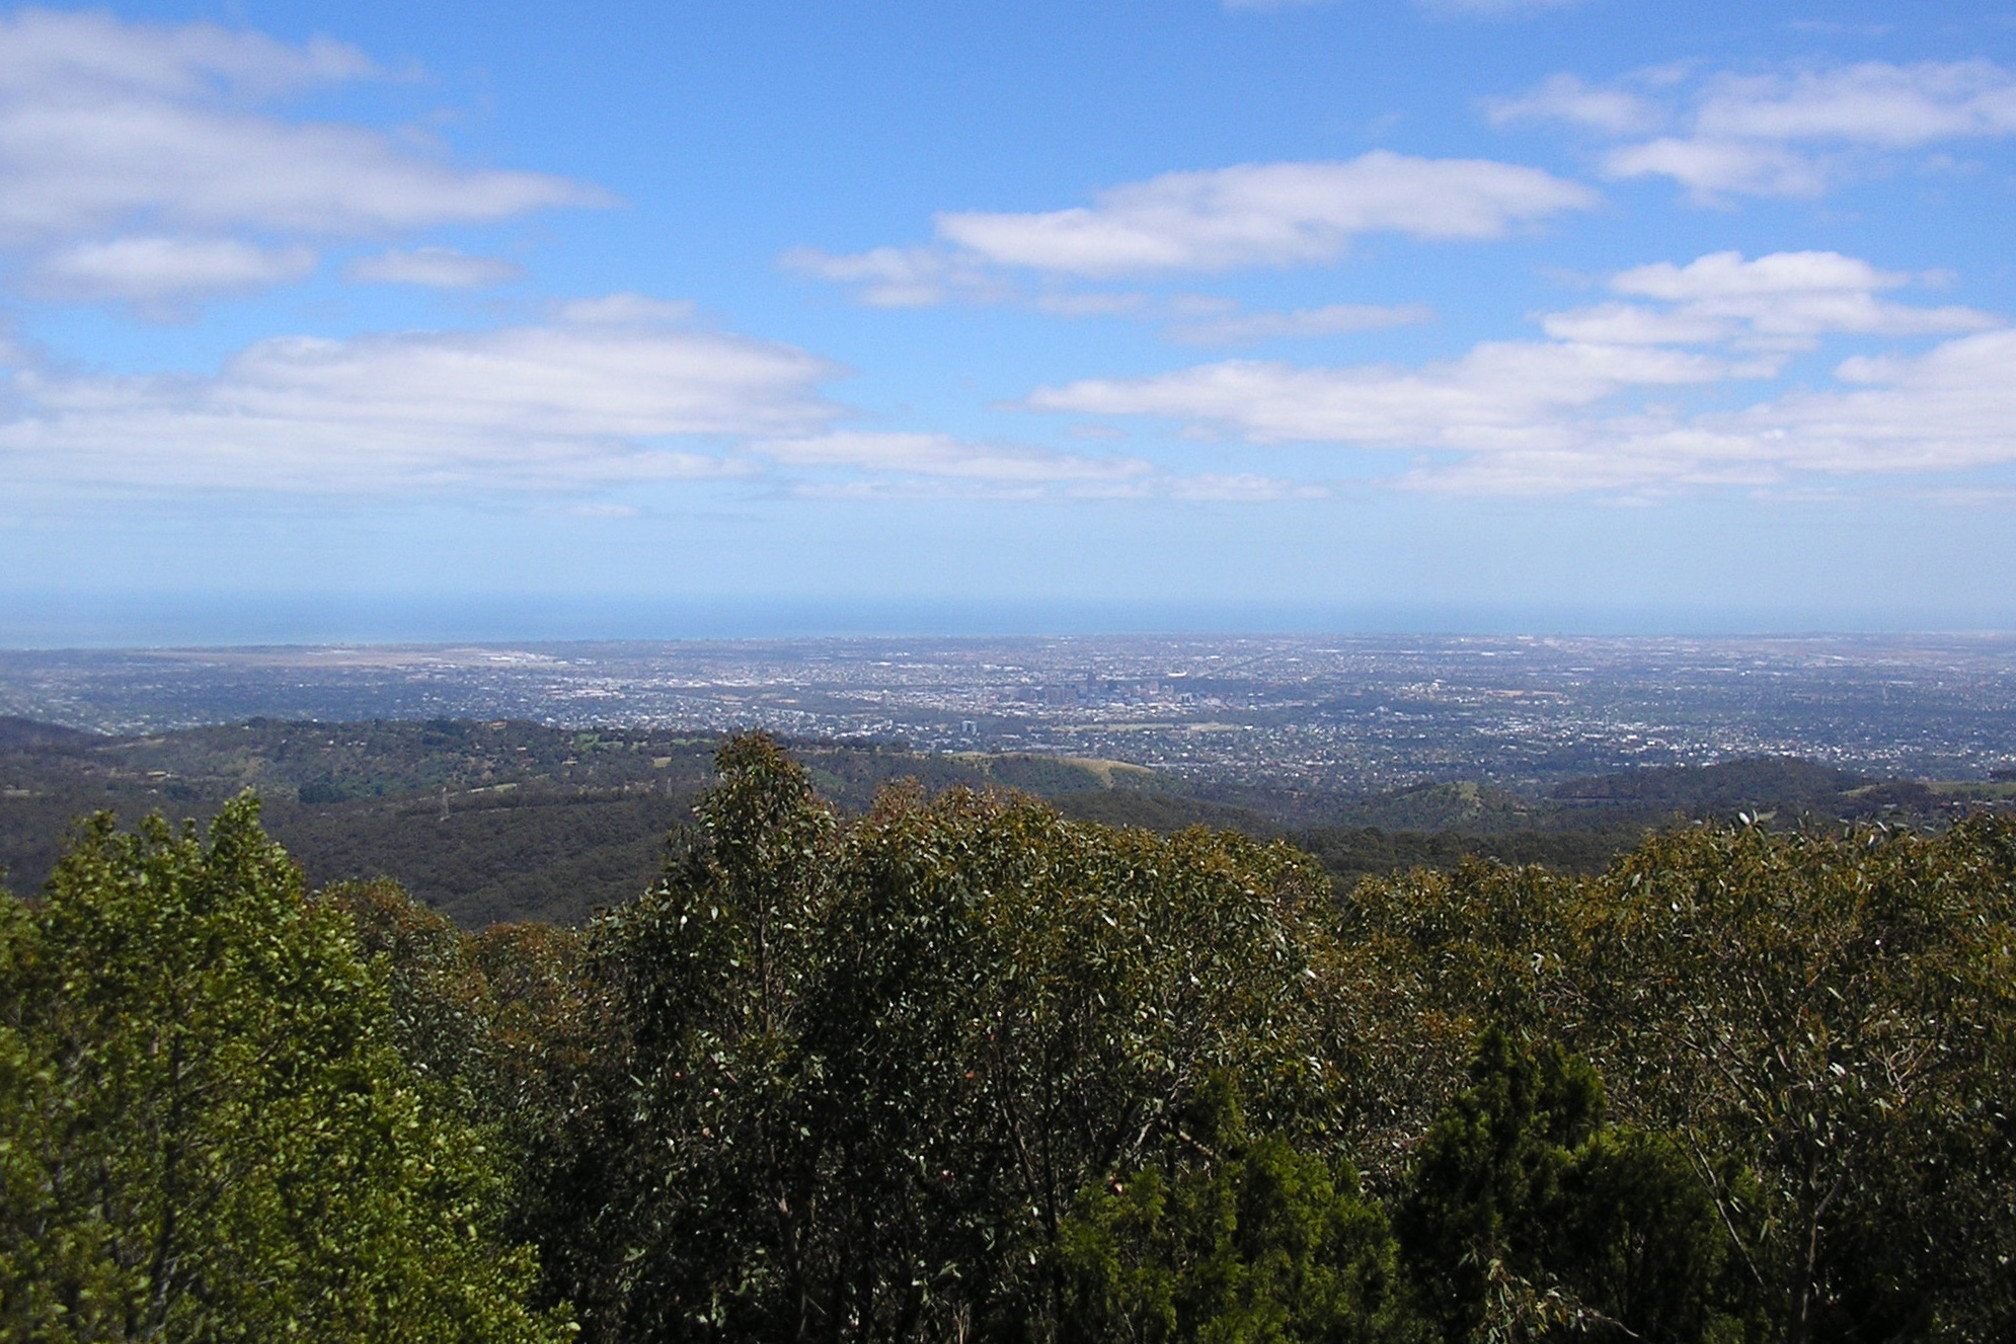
(486,821)
(504,820)
(956,1067)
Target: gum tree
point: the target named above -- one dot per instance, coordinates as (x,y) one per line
(206,1133)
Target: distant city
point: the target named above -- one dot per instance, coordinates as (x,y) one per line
(1357,712)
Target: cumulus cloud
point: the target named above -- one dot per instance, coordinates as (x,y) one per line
(898,277)
(1568,99)
(433,267)
(1249,215)
(1792,132)
(1591,409)
(159,274)
(49,50)
(1272,214)
(1951,409)
(566,405)
(1871,103)
(140,133)
(1714,169)
(1499,394)
(1783,301)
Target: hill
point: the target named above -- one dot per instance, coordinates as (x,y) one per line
(1765,786)
(506,820)
(485,821)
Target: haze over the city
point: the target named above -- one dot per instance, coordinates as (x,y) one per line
(374,321)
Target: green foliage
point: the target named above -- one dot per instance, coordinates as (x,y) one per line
(1835,1015)
(208,1134)
(851,1076)
(961,1068)
(1351,853)
(1828,1014)
(1521,1185)
(495,1026)
(1227,1238)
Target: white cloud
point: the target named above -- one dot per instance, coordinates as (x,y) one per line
(1272,214)
(1633,324)
(76,169)
(157,274)
(434,267)
(625,309)
(1588,411)
(568,405)
(1267,214)
(1783,301)
(1335,319)
(1712,169)
(1793,132)
(62,52)
(946,456)
(1726,275)
(1567,98)
(1499,394)
(1950,408)
(897,277)
(1871,103)
(939,466)
(104,123)
(145,133)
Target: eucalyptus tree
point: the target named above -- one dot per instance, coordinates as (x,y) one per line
(1822,1023)
(1835,1014)
(206,1130)
(1228,1235)
(1529,1212)
(851,1076)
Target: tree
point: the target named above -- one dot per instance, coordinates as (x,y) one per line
(1837,1015)
(848,1078)
(208,1134)
(1822,1023)
(1230,1238)
(1527,1209)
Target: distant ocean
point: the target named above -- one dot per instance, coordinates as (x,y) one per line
(138,620)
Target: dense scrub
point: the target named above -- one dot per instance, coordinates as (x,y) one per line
(963,1069)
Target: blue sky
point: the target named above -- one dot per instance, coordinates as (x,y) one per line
(386,320)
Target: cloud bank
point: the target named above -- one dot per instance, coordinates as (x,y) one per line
(582,402)
(146,162)
(1793,132)
(1572,413)
(1215,220)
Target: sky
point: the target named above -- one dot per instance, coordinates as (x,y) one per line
(383,321)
